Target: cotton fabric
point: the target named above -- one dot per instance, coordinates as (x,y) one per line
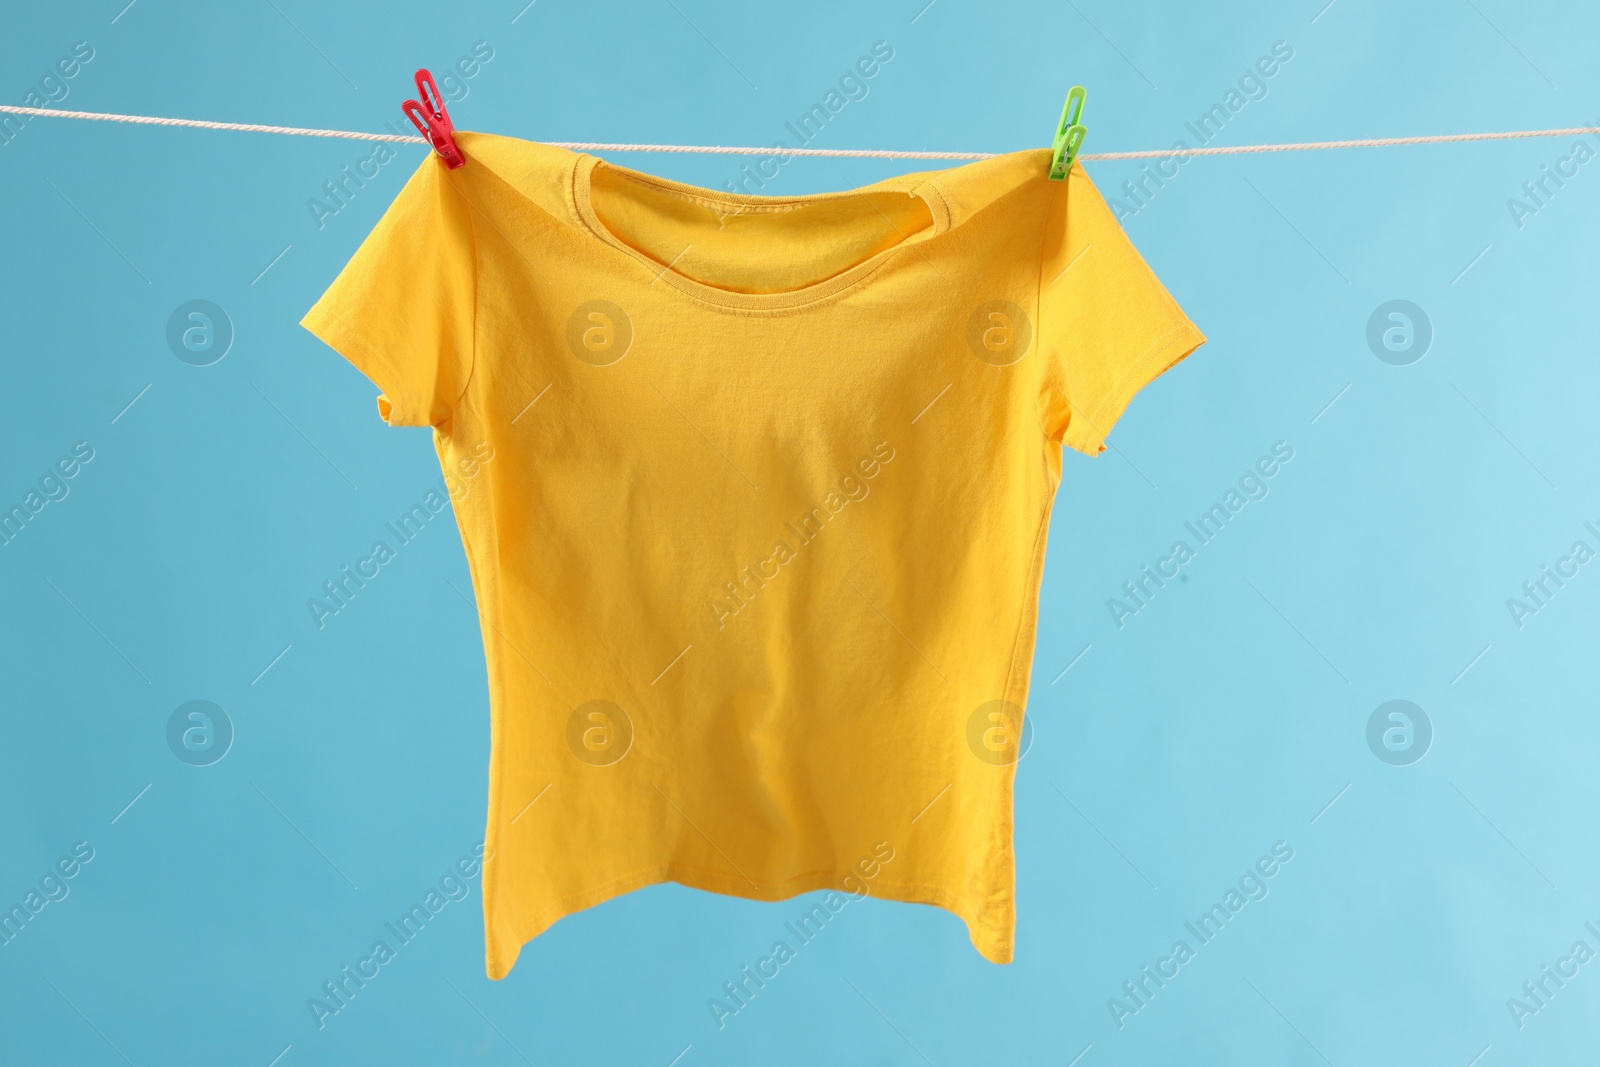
(758,542)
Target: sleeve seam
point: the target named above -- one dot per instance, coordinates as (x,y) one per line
(472,364)
(1139,373)
(1041,333)
(333,330)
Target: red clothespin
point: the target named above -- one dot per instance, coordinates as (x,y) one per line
(433,121)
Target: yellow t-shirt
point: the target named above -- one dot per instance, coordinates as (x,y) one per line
(754,492)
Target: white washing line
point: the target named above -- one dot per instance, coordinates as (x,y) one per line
(846,153)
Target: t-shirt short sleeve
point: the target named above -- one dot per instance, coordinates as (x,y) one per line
(1107,326)
(402,310)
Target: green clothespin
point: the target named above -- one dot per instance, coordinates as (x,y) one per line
(1069,135)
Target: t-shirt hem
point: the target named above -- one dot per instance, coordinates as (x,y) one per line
(996,946)
(1087,431)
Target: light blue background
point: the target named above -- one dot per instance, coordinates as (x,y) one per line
(1224,717)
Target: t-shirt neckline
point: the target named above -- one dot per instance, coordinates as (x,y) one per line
(921,186)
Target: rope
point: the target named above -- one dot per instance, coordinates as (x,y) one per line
(1369,142)
(846,153)
(147,120)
